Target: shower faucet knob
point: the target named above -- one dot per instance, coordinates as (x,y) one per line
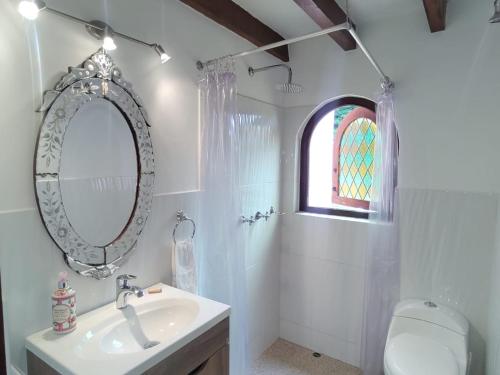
(259,216)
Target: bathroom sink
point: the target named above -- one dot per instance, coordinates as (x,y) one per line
(140,328)
(129,340)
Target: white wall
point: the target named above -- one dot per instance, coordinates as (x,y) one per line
(321,267)
(34,56)
(447,95)
(447,244)
(446,103)
(493,340)
(260,189)
(446,91)
(322,284)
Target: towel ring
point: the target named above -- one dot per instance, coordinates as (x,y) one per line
(180,219)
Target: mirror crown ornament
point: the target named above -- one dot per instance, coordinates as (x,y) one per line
(97,77)
(99,65)
(104,64)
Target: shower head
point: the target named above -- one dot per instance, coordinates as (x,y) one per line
(496,16)
(288,87)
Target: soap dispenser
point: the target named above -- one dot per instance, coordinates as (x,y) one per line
(63,306)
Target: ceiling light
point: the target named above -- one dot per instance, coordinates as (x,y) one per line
(161,52)
(30,9)
(108,43)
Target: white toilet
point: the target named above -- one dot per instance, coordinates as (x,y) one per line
(426,339)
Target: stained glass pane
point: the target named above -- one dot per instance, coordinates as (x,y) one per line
(340,113)
(356,159)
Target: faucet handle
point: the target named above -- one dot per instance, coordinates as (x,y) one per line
(122,280)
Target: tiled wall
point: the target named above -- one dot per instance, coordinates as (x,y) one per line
(493,327)
(447,242)
(31,262)
(34,57)
(322,284)
(322,261)
(446,109)
(447,247)
(260,189)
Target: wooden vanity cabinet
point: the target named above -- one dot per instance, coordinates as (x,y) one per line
(208,354)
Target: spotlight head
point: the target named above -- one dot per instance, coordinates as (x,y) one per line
(108,43)
(102,31)
(164,58)
(161,52)
(30,9)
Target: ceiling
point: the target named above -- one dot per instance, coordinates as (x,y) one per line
(289,20)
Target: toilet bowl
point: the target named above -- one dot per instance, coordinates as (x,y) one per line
(426,339)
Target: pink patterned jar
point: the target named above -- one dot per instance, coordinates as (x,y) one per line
(63,307)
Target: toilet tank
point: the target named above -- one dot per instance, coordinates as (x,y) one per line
(434,321)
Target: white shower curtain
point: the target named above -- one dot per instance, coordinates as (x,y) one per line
(222,271)
(382,266)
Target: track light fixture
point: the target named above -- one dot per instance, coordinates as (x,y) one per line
(29,9)
(161,52)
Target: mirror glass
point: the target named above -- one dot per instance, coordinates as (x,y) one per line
(98,172)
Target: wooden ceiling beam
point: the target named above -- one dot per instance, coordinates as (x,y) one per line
(233,17)
(436,14)
(327,13)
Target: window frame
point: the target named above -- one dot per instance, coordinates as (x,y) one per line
(305,142)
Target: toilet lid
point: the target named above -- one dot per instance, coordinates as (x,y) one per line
(408,354)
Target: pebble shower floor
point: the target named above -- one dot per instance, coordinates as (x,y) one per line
(285,358)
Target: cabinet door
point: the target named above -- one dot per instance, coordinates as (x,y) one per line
(218,364)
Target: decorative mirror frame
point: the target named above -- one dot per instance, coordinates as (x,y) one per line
(97,78)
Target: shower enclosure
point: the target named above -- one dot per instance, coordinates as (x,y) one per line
(239,264)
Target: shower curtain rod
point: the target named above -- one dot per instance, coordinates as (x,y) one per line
(386,81)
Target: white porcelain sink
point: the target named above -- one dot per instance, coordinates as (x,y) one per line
(112,341)
(139,327)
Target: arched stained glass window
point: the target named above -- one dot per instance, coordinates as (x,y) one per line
(353,154)
(344,128)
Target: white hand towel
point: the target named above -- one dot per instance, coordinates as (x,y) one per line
(184,266)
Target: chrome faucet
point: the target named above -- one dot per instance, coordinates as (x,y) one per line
(123,290)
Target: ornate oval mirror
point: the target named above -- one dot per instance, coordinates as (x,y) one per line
(94,167)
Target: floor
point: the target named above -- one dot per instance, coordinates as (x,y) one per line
(285,358)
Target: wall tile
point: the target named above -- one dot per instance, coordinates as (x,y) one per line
(439,244)
(324,296)
(31,263)
(444,236)
(260,189)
